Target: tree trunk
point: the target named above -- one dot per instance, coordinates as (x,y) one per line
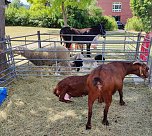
(2,36)
(2,19)
(64,15)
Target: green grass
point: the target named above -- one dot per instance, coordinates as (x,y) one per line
(19,31)
(14,31)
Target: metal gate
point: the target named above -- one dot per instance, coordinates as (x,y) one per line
(7,64)
(117,46)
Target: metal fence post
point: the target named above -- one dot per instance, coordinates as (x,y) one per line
(103,49)
(125,40)
(149,59)
(39,39)
(137,46)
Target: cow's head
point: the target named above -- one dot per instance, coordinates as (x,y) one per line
(102,30)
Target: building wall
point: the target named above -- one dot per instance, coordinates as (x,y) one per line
(125,13)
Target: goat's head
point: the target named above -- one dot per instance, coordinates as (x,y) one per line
(143,69)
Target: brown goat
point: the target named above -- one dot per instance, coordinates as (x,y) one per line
(72,86)
(106,79)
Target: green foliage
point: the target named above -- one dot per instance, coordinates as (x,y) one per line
(10,14)
(82,4)
(15,16)
(16,4)
(134,23)
(37,4)
(110,23)
(143,9)
(44,17)
(79,18)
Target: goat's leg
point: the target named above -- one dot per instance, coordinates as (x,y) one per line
(62,95)
(121,97)
(91,100)
(105,113)
(88,50)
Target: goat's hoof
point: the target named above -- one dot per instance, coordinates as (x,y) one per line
(122,103)
(88,127)
(105,122)
(66,101)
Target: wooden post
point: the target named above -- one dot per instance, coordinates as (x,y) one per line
(39,39)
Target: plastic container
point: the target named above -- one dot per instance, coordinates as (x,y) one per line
(3,94)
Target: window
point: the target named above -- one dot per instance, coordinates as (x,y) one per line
(116,7)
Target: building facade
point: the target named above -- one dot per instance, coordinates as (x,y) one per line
(120,9)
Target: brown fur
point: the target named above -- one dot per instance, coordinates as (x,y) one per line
(74,86)
(106,79)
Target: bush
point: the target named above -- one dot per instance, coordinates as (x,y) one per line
(85,18)
(134,23)
(77,18)
(110,23)
(22,17)
(10,15)
(14,16)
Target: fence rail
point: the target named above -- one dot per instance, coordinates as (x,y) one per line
(115,47)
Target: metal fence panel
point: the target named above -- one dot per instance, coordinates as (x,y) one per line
(115,47)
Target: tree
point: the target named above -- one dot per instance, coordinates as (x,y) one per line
(38,4)
(2,34)
(60,5)
(16,4)
(143,9)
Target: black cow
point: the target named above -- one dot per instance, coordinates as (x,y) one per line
(69,34)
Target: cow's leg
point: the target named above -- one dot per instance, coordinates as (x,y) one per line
(108,103)
(88,50)
(81,47)
(68,45)
(121,97)
(91,99)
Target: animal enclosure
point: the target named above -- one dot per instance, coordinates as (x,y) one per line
(120,46)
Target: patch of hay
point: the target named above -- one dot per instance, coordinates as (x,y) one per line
(32,109)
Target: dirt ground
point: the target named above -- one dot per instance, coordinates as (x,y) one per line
(31,109)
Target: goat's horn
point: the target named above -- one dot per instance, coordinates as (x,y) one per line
(137,62)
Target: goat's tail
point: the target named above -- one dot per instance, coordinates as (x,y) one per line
(97,81)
